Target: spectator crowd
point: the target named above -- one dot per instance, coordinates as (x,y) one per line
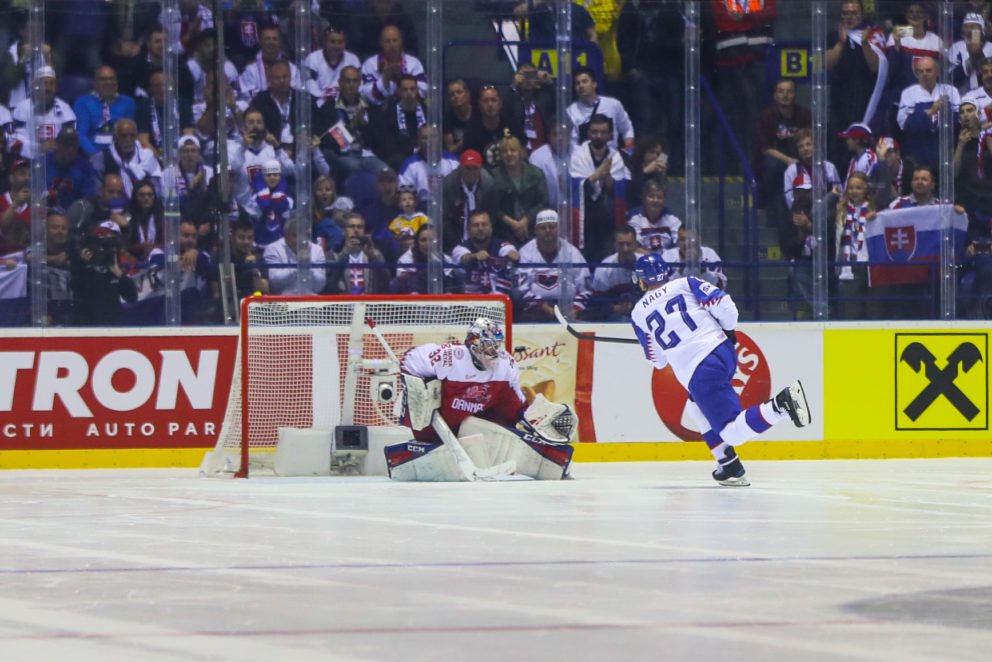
(101,136)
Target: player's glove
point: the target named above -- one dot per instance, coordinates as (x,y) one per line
(732,336)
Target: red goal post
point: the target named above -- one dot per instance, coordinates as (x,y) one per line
(313,362)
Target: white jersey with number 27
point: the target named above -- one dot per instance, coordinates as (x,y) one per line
(681,322)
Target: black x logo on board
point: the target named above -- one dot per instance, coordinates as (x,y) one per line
(918,357)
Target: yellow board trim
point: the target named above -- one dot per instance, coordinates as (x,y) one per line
(190,458)
(786,450)
(129,458)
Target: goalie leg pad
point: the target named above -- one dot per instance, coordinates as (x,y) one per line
(533,457)
(422,461)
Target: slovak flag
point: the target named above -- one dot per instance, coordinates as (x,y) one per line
(904,244)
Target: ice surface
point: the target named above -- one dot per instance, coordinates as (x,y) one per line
(842,560)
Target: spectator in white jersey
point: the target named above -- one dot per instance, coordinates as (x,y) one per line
(967,54)
(613,293)
(710,265)
(57,115)
(599,179)
(127,157)
(415,171)
(545,157)
(254,78)
(541,280)
(381,73)
(324,67)
(656,226)
(690,324)
(282,258)
(918,116)
(248,157)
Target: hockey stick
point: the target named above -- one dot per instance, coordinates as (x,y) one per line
(382,341)
(464,462)
(589,336)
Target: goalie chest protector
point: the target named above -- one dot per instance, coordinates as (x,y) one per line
(466,390)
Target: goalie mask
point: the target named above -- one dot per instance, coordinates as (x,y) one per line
(484,341)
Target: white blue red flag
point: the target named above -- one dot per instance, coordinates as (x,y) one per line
(904,244)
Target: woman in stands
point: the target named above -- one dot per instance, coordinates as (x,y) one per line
(854,211)
(521,192)
(144,231)
(648,162)
(328,218)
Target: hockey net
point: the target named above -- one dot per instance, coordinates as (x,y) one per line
(315,362)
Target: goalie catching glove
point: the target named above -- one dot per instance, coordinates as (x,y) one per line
(553,422)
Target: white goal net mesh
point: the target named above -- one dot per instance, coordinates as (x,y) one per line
(315,362)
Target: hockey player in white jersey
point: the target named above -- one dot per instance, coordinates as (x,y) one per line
(689,324)
(474,390)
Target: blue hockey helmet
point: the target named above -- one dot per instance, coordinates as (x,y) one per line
(649,269)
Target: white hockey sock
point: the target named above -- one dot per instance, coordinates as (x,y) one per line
(770,414)
(720,452)
(716,445)
(750,423)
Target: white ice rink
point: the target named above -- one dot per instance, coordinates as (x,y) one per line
(841,560)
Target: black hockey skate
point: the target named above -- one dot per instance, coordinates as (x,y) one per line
(792,400)
(731,472)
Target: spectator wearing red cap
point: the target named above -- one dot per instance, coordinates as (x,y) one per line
(863,158)
(466,189)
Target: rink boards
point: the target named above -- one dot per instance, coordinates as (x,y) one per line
(156,397)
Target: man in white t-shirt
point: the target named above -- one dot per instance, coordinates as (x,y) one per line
(589,102)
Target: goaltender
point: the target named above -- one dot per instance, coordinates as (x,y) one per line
(474,389)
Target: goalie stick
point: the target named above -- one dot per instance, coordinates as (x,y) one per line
(464,462)
(589,336)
